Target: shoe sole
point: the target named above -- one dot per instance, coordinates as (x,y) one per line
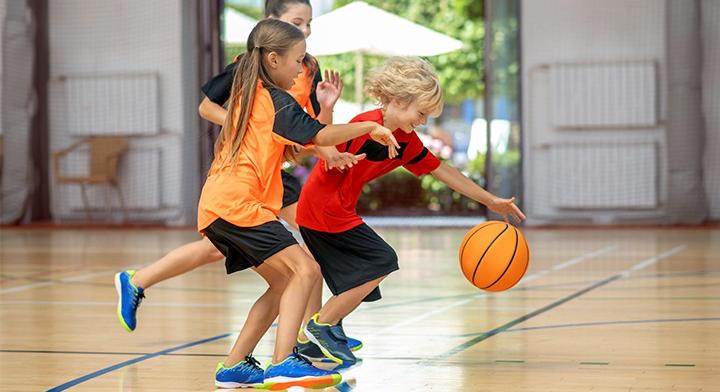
(119,305)
(356,348)
(280,382)
(316,359)
(233,385)
(343,369)
(324,350)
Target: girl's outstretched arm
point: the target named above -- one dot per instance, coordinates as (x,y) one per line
(333,135)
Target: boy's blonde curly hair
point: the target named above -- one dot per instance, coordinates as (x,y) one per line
(407,80)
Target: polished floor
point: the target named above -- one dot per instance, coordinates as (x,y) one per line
(599,310)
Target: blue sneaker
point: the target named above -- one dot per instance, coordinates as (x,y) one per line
(331,340)
(353,344)
(245,374)
(129,298)
(296,371)
(342,369)
(310,351)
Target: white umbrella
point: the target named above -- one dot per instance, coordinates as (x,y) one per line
(363,29)
(237,26)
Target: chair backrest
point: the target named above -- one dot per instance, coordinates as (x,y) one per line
(105,154)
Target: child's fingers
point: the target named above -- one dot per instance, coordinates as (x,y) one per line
(392,152)
(360,157)
(393,141)
(515,209)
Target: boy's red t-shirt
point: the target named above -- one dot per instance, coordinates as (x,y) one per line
(328,199)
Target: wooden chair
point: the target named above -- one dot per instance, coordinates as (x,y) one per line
(105,154)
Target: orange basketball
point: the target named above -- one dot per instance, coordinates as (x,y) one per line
(494,256)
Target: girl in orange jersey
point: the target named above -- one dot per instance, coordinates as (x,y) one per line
(317,97)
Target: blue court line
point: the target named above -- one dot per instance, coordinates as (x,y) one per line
(61,352)
(510,324)
(599,323)
(109,369)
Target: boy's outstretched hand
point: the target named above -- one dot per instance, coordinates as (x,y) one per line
(506,207)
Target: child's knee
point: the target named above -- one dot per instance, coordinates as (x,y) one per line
(278,283)
(309,270)
(210,253)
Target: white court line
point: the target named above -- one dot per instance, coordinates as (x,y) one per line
(532,277)
(63,280)
(25,287)
(648,262)
(582,258)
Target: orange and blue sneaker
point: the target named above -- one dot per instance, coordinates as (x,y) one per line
(331,340)
(296,371)
(129,298)
(245,374)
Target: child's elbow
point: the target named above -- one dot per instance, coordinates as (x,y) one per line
(203,109)
(322,140)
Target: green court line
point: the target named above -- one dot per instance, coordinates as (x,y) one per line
(680,364)
(594,363)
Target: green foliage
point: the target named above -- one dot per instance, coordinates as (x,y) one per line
(398,189)
(460,72)
(256,13)
(507,176)
(401,191)
(232,50)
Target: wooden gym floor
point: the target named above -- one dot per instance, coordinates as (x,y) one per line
(599,310)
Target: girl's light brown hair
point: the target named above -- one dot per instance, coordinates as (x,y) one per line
(407,80)
(269,35)
(276,9)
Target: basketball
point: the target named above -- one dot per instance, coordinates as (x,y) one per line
(494,256)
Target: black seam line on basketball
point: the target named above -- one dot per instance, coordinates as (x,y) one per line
(464,346)
(475,232)
(485,252)
(509,263)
